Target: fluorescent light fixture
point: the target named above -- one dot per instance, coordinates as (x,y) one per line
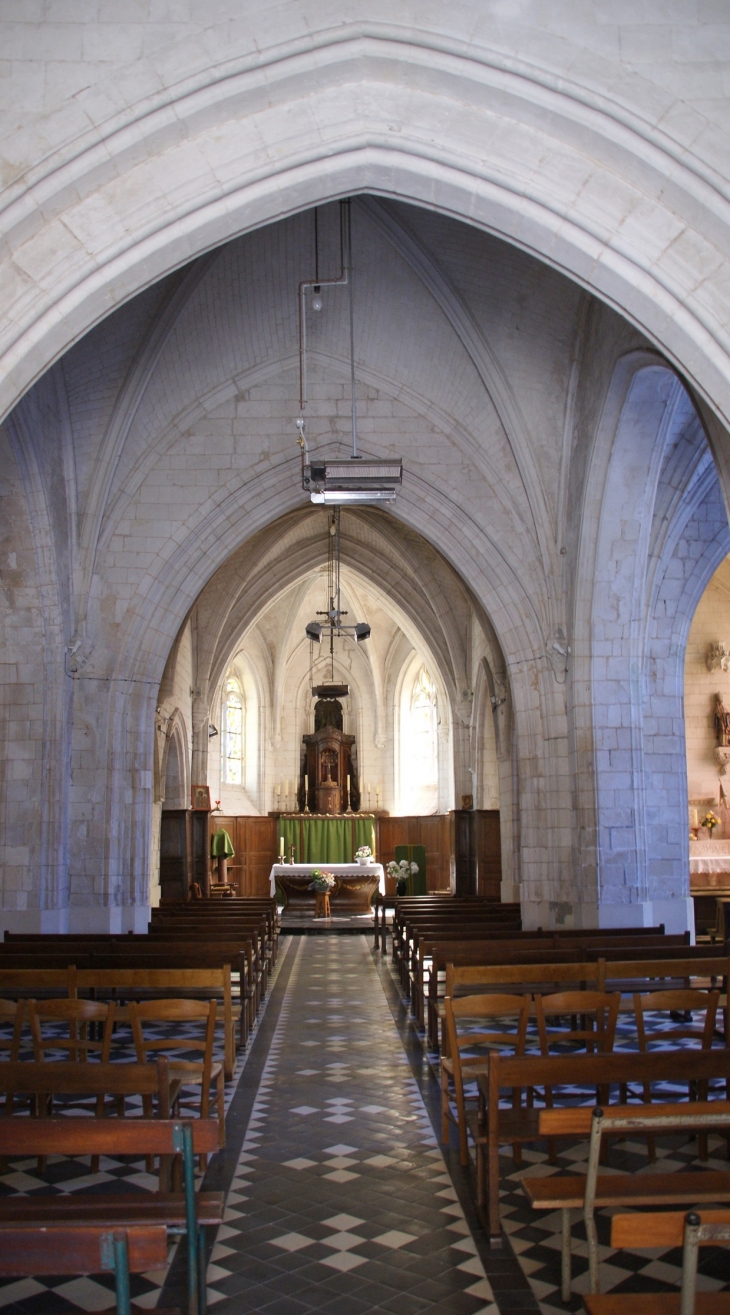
(354,480)
(342,497)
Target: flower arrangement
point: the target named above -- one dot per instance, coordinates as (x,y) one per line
(364,852)
(401,871)
(710,821)
(322,882)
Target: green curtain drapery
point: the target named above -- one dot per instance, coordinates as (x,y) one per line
(326,839)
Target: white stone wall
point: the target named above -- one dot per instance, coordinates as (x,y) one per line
(553,497)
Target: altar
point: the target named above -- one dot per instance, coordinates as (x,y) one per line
(355,885)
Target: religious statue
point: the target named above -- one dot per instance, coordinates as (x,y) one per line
(722,722)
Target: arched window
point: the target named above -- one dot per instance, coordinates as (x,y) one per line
(419,769)
(232,743)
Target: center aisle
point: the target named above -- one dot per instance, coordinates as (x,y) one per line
(340,1200)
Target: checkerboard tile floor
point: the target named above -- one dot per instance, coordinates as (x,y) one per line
(341,1200)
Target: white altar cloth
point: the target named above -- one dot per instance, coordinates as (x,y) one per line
(337,870)
(706,856)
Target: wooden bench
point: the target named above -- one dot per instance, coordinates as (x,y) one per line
(183,1212)
(591,1191)
(531,972)
(24,980)
(84,1249)
(206,948)
(432,952)
(519,1125)
(672,1229)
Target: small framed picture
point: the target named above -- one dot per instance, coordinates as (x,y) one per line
(200,798)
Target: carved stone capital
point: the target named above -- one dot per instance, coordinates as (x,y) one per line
(722,758)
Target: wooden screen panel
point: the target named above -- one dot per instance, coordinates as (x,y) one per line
(254,840)
(431,832)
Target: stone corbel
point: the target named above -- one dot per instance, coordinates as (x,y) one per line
(722,758)
(718,658)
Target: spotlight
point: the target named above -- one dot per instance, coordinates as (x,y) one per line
(317,298)
(314,632)
(362,631)
(212,730)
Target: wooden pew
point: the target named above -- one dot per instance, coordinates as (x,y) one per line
(591,1191)
(405,906)
(209,948)
(518,1125)
(431,951)
(535,971)
(177,1212)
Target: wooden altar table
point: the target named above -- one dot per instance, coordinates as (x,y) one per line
(356,883)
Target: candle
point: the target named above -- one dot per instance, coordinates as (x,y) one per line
(348,785)
(281,847)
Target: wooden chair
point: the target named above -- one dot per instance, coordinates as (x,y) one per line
(597,1010)
(457,1067)
(673,1002)
(84,1249)
(183,1073)
(670,1229)
(80,1016)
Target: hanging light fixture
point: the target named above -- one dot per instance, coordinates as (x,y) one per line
(354,479)
(332,624)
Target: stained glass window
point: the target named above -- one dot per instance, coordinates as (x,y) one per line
(233,734)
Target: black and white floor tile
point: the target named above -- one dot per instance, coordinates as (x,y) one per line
(340,1200)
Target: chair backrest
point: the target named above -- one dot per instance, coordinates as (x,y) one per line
(598,1011)
(467,1010)
(150,1013)
(77,1014)
(682,1001)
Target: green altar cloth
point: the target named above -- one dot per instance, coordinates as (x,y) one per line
(326,839)
(221,845)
